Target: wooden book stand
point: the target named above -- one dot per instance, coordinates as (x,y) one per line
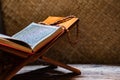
(25,58)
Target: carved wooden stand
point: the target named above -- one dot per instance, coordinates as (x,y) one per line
(25,58)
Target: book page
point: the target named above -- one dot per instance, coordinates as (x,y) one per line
(4,36)
(35,33)
(14,40)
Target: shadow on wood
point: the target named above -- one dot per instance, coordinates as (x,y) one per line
(47,73)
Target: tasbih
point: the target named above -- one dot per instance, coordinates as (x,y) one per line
(72,42)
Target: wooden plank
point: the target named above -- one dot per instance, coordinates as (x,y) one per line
(56,63)
(67,24)
(52,19)
(89,72)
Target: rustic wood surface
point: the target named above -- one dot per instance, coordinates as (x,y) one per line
(89,72)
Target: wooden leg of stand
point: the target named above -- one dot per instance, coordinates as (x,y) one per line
(48,60)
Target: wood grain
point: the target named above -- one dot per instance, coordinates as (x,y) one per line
(89,72)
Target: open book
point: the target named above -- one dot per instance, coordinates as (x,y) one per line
(32,38)
(35,36)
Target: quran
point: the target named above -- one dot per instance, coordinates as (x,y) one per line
(31,43)
(31,38)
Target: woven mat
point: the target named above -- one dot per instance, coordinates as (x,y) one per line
(99,27)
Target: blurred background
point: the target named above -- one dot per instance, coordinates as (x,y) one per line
(99,27)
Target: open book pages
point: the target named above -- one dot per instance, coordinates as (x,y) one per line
(33,37)
(7,41)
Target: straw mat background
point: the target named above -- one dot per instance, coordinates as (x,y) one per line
(99,35)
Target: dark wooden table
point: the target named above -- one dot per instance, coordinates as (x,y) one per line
(89,72)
